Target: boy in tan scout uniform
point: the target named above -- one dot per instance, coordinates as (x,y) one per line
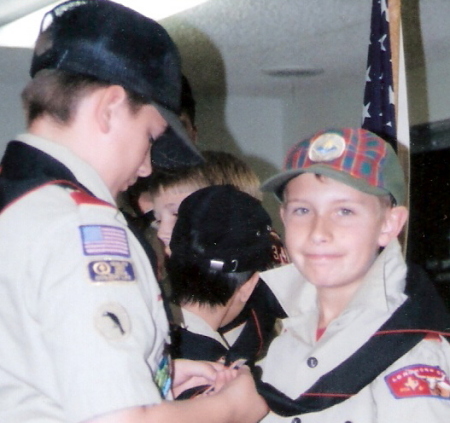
(364,340)
(83,328)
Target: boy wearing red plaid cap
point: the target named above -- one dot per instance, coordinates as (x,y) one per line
(365,336)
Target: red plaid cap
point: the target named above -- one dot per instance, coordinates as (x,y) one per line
(353,156)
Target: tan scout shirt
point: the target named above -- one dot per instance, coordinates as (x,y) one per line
(82,324)
(295,359)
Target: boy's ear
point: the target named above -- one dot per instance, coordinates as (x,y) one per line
(393,224)
(109,100)
(245,290)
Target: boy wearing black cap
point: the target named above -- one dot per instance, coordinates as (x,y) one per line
(82,323)
(365,336)
(221,241)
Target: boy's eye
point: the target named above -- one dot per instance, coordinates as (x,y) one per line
(300,211)
(345,212)
(155,224)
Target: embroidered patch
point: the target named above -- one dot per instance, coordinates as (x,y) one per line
(326,147)
(112,321)
(102,239)
(163,376)
(111,271)
(279,253)
(418,381)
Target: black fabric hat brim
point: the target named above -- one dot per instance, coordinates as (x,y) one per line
(173,149)
(277,182)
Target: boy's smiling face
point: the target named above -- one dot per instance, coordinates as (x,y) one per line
(333,231)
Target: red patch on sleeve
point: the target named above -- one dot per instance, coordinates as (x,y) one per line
(81,197)
(419,380)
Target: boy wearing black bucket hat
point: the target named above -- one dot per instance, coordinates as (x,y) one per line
(365,337)
(221,241)
(82,323)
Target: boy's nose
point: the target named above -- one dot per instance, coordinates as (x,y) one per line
(164,232)
(320,230)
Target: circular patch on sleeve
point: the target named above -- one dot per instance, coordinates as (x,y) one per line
(326,147)
(112,321)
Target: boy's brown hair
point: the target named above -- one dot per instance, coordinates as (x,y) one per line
(56,93)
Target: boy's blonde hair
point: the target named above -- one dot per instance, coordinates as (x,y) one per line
(223,168)
(192,178)
(219,168)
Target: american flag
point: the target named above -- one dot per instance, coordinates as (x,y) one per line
(379,108)
(104,240)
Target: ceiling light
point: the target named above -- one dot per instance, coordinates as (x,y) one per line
(23,31)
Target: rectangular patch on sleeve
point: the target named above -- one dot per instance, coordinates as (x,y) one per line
(102,239)
(163,377)
(419,380)
(111,271)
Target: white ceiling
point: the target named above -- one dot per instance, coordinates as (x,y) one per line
(238,40)
(232,42)
(226,45)
(15,9)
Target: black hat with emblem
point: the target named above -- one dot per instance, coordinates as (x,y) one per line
(115,44)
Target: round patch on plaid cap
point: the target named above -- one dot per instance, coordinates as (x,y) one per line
(326,147)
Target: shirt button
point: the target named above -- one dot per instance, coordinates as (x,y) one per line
(312,362)
(296,420)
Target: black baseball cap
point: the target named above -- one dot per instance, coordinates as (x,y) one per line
(223,229)
(115,44)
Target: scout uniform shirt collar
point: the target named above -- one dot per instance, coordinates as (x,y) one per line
(196,324)
(83,172)
(384,283)
(291,289)
(297,296)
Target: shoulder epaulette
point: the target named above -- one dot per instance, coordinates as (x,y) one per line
(82,197)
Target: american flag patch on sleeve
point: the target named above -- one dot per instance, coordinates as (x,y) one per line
(102,239)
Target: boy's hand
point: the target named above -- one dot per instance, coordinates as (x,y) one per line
(234,385)
(226,375)
(241,392)
(189,373)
